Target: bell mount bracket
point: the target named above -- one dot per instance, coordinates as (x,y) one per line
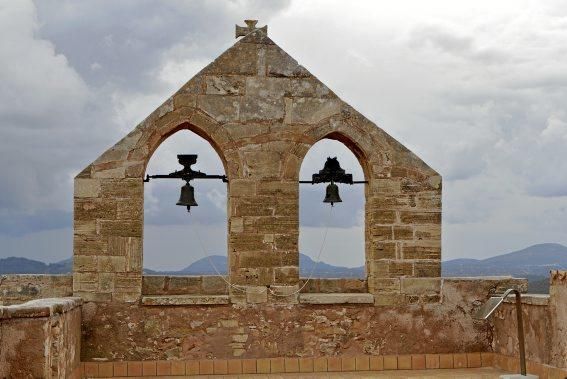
(333,173)
(187,173)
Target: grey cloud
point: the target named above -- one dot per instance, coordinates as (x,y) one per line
(453,43)
(124,41)
(18,223)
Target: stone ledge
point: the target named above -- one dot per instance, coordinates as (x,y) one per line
(530,299)
(482,278)
(186,300)
(336,298)
(40,307)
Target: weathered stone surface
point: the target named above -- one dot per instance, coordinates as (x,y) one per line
(313,110)
(224,85)
(87,188)
(256,294)
(221,108)
(280,64)
(421,286)
(41,339)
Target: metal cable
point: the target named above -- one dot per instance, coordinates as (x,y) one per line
(272,292)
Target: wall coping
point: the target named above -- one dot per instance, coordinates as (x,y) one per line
(485,278)
(530,299)
(7,276)
(40,307)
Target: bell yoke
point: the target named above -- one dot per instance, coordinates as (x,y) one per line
(331,173)
(187,198)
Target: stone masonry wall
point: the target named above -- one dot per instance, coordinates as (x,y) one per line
(17,288)
(545,325)
(116,331)
(261,111)
(41,339)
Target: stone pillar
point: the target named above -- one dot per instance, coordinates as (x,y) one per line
(558,318)
(107,242)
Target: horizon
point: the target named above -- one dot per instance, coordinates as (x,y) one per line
(312,258)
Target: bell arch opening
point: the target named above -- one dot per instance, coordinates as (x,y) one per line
(176,242)
(335,234)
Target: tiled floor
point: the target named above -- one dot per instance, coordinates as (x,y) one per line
(466,373)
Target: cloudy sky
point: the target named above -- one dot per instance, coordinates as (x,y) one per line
(477,89)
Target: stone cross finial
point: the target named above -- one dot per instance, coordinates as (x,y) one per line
(249,28)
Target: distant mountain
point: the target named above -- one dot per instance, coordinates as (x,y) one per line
(306,265)
(203,266)
(536,260)
(17,265)
(533,263)
(325,270)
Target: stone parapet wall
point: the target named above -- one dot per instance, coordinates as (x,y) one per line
(19,288)
(184,285)
(268,330)
(41,339)
(545,325)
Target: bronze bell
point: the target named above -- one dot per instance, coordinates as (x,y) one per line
(332,194)
(187,198)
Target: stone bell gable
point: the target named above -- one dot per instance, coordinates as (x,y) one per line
(261,111)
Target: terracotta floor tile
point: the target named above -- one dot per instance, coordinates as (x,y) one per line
(134,368)
(445,360)
(177,368)
(248,366)
(362,363)
(263,366)
(120,369)
(206,367)
(220,366)
(418,362)
(431,360)
(390,362)
(320,364)
(305,364)
(376,363)
(105,370)
(163,368)
(333,364)
(459,360)
(277,365)
(192,368)
(473,360)
(291,365)
(404,362)
(149,368)
(234,366)
(91,369)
